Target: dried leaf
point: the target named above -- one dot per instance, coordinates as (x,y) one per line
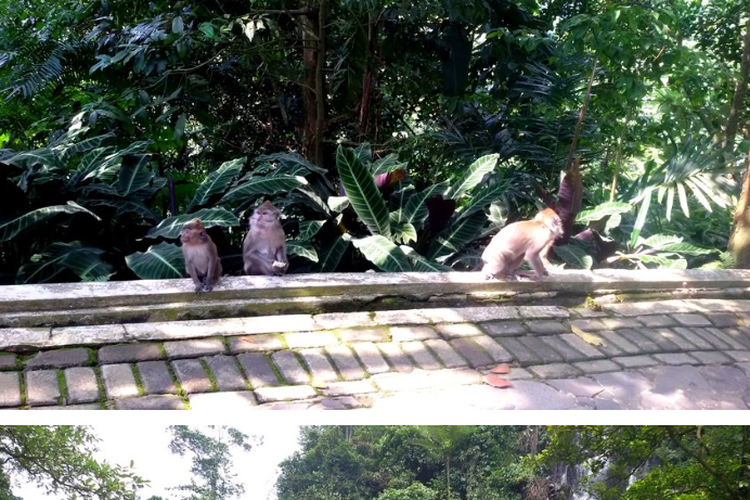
(496,381)
(588,337)
(248,339)
(501,369)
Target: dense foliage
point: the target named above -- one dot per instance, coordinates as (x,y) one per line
(393,135)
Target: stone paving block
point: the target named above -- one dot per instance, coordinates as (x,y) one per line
(129,353)
(723,320)
(634,335)
(658,320)
(119,381)
(82,385)
(320,368)
(422,379)
(364,334)
(87,407)
(421,356)
(458,330)
(497,352)
(10,389)
(12,337)
(555,370)
(151,403)
(693,338)
(258,371)
(568,353)
(226,373)
(193,348)
(284,393)
(642,309)
(349,388)
(42,387)
(710,357)
(741,335)
(518,373)
(676,358)
(589,325)
(339,403)
(290,367)
(740,356)
(664,338)
(287,406)
(222,401)
(597,366)
(345,362)
(615,344)
(445,353)
(59,358)
(544,351)
(87,334)
(412,332)
(616,323)
(155,377)
(370,357)
(395,357)
(401,317)
(691,320)
(279,324)
(191,375)
(547,327)
(7,361)
(635,361)
(586,312)
(540,312)
(519,351)
(332,321)
(712,339)
(471,352)
(726,338)
(579,387)
(503,328)
(298,340)
(263,342)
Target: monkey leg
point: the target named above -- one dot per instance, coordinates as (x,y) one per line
(536,262)
(257,264)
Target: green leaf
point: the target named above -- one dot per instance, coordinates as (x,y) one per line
(455,236)
(126,206)
(44,156)
(216,182)
(290,164)
(415,211)
(641,219)
(250,189)
(473,175)
(688,249)
(208,30)
(362,192)
(302,249)
(574,256)
(133,177)
(387,164)
(10,229)
(179,127)
(338,203)
(383,253)
(162,261)
(177,25)
(657,241)
(85,261)
(171,227)
(484,197)
(422,264)
(331,256)
(402,232)
(601,211)
(364,153)
(309,228)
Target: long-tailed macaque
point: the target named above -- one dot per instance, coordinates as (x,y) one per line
(264,248)
(201,257)
(530,240)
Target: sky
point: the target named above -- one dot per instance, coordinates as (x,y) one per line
(147,445)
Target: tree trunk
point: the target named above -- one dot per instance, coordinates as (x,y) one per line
(739,240)
(740,89)
(581,114)
(313,88)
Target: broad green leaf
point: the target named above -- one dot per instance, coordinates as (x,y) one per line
(601,211)
(574,256)
(422,264)
(208,30)
(688,249)
(383,253)
(133,177)
(302,249)
(171,227)
(683,199)
(338,203)
(248,190)
(10,229)
(309,228)
(641,219)
(216,182)
(177,25)
(44,156)
(659,240)
(456,236)
(386,164)
(331,255)
(179,127)
(402,232)
(84,261)
(415,211)
(126,206)
(162,261)
(473,175)
(362,193)
(364,153)
(483,198)
(84,145)
(290,164)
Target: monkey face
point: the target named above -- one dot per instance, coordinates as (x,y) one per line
(193,232)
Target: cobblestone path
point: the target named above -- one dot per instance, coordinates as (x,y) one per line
(673,354)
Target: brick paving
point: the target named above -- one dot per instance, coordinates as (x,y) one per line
(674,354)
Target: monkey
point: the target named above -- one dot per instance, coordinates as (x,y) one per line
(264,248)
(530,240)
(201,256)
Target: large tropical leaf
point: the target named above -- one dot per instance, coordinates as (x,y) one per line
(44,156)
(216,182)
(250,189)
(309,228)
(302,249)
(484,197)
(171,227)
(331,255)
(160,261)
(387,164)
(133,177)
(124,206)
(84,145)
(288,164)
(455,236)
(473,175)
(31,219)
(85,261)
(383,253)
(601,211)
(402,232)
(422,264)
(574,255)
(415,211)
(362,192)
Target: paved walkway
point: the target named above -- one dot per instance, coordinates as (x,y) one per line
(670,354)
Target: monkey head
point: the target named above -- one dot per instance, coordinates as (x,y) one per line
(194,232)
